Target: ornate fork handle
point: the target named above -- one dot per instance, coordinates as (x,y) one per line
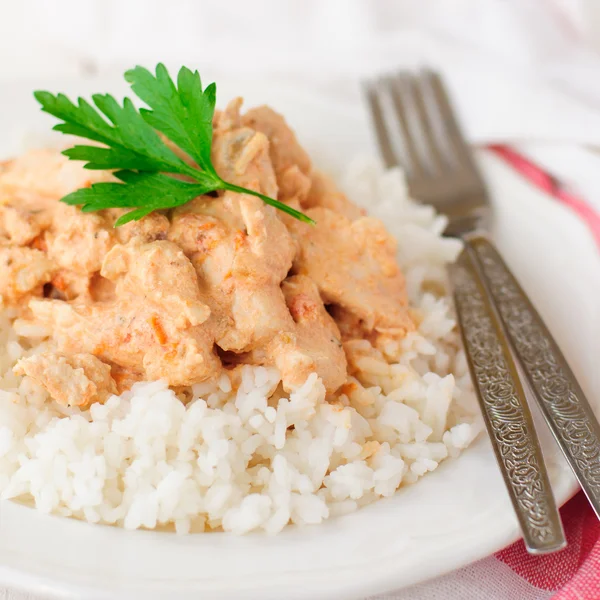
(563,403)
(506,414)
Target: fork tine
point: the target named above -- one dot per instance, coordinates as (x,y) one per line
(404,108)
(385,144)
(424,126)
(448,127)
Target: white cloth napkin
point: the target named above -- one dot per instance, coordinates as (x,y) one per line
(520,71)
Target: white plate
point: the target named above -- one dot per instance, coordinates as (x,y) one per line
(456,515)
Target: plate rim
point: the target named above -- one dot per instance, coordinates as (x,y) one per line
(381,582)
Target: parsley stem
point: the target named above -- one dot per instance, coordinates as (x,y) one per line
(194,173)
(279,205)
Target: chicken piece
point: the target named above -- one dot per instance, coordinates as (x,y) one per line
(313,345)
(152,227)
(23,216)
(323,192)
(74,380)
(152,327)
(242,252)
(23,272)
(258,313)
(136,336)
(275,137)
(76,244)
(161,273)
(284,148)
(294,187)
(49,173)
(198,232)
(78,241)
(19,226)
(241,157)
(229,118)
(353,264)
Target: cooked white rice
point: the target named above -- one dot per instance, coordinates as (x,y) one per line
(230,458)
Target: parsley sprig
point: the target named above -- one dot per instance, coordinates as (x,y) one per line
(132,147)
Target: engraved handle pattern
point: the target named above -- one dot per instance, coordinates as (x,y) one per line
(506,414)
(560,397)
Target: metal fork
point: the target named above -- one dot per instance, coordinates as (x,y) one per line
(416,128)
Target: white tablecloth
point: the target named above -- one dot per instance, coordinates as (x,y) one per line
(523,71)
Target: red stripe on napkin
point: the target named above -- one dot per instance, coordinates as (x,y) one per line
(552,186)
(573,572)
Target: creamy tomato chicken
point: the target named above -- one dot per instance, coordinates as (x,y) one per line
(236,359)
(222,281)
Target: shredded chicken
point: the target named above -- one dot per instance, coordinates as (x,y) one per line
(353,264)
(323,192)
(153,227)
(151,328)
(182,294)
(72,380)
(31,215)
(22,218)
(47,173)
(290,161)
(313,344)
(77,241)
(284,149)
(241,156)
(23,272)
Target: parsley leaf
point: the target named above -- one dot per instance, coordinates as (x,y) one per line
(132,143)
(147,191)
(144,163)
(184,114)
